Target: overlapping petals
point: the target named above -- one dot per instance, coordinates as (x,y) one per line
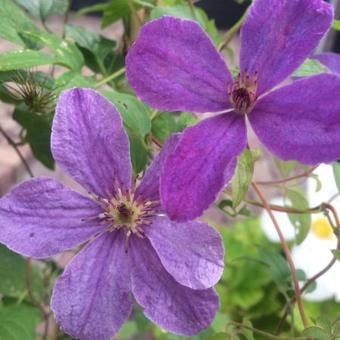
(203,162)
(172,306)
(191,252)
(331,60)
(89,142)
(92,299)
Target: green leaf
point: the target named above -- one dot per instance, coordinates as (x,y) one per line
(336,25)
(247,332)
(18,322)
(13,20)
(24,59)
(164,125)
(301,222)
(112,11)
(336,172)
(139,154)
(136,115)
(184,11)
(242,178)
(218,336)
(310,67)
(317,333)
(98,45)
(336,254)
(13,282)
(41,9)
(115,10)
(65,52)
(72,79)
(38,134)
(278,268)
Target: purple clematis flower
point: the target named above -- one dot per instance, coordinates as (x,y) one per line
(133,249)
(174,66)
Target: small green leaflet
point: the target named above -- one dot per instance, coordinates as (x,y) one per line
(242,178)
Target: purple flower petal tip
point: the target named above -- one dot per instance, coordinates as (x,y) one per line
(174,66)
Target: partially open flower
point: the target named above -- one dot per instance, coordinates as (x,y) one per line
(133,249)
(314,253)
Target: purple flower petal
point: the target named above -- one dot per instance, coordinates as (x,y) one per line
(330,60)
(89,141)
(301,121)
(174,307)
(149,187)
(42,217)
(174,66)
(191,252)
(203,162)
(92,299)
(278,35)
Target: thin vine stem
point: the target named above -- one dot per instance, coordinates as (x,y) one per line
(288,179)
(322,271)
(14,145)
(228,36)
(113,76)
(287,254)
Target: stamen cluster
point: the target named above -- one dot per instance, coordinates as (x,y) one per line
(242,93)
(124,210)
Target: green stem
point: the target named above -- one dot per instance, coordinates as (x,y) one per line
(231,32)
(111,77)
(192,8)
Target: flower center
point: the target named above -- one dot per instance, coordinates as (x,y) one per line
(322,228)
(124,210)
(242,93)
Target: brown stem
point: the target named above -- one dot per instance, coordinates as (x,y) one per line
(288,179)
(18,152)
(322,271)
(287,254)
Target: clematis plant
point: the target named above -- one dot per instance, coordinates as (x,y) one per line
(132,249)
(174,66)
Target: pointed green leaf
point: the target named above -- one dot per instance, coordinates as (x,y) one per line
(242,178)
(13,60)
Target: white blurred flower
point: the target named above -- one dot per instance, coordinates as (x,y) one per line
(315,251)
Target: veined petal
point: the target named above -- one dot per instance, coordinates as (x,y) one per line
(203,162)
(301,121)
(191,252)
(174,307)
(278,35)
(42,217)
(330,60)
(89,141)
(149,187)
(174,66)
(92,299)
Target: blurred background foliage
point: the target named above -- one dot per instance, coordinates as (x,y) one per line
(256,287)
